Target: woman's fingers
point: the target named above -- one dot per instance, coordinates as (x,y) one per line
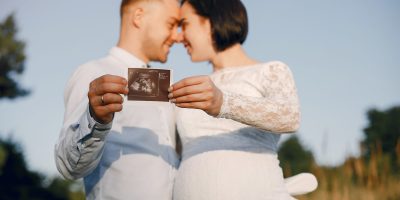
(191,85)
(194,80)
(198,97)
(197,92)
(195,105)
(189,90)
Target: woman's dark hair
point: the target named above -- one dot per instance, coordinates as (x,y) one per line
(228,18)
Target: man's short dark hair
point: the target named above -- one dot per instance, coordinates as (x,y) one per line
(125,4)
(228,18)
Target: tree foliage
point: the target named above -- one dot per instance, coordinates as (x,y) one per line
(294,158)
(12,59)
(382,134)
(18,182)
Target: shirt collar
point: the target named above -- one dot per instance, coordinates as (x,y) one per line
(127,58)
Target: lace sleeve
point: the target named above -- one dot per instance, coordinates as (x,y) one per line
(277,111)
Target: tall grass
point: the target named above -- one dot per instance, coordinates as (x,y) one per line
(374,178)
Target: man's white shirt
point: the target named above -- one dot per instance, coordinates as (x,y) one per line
(131,158)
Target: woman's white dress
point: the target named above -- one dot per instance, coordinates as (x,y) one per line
(233,156)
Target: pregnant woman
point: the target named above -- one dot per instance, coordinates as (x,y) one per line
(230,122)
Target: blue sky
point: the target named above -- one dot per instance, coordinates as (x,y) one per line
(344,55)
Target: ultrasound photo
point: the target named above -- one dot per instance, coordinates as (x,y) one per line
(148,84)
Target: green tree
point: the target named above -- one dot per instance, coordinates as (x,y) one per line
(12,59)
(382,134)
(18,182)
(294,158)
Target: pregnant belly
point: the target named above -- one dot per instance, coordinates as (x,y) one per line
(229,175)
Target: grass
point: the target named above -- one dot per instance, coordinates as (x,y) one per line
(375,178)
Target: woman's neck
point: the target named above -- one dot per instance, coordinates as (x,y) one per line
(231,57)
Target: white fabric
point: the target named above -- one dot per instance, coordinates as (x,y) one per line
(256,97)
(301,184)
(135,159)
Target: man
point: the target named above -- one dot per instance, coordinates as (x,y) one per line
(122,149)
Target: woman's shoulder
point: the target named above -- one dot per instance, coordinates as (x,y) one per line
(274,68)
(271,65)
(261,68)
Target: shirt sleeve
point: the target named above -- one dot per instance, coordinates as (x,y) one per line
(81,142)
(276,111)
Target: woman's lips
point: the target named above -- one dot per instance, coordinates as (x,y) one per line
(188,49)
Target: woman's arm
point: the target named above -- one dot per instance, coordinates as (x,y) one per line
(277,111)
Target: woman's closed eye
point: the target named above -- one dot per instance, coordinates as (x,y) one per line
(184,24)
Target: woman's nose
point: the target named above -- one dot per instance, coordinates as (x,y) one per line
(179,37)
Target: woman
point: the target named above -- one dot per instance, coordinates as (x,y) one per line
(229,151)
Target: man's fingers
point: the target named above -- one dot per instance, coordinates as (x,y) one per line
(114,107)
(103,110)
(110,98)
(111,88)
(112,79)
(104,96)
(194,80)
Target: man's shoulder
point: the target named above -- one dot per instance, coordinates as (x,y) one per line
(95,64)
(95,67)
(89,70)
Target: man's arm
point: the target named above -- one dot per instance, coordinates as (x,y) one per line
(79,150)
(87,121)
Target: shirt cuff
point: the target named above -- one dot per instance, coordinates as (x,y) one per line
(97,129)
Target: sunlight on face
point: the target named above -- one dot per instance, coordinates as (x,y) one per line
(162,30)
(196,32)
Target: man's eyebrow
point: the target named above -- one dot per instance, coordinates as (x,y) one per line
(181,21)
(174,19)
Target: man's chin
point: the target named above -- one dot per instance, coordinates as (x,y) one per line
(162,59)
(165,57)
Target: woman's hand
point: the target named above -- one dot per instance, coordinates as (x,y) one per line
(197,92)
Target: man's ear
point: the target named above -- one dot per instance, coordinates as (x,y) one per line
(137,17)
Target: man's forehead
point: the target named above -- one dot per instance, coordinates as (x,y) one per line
(174,10)
(172,3)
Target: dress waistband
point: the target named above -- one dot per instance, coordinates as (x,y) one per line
(256,142)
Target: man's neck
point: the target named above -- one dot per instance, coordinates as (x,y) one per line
(135,50)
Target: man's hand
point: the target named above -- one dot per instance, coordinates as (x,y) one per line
(105,97)
(197,92)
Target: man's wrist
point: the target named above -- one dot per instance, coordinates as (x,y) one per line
(96,119)
(98,129)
